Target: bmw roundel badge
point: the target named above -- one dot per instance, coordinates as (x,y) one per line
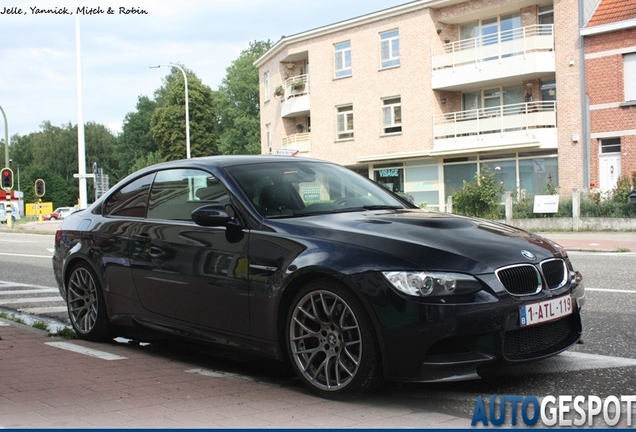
(528,255)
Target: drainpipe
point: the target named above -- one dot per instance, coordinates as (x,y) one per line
(585,103)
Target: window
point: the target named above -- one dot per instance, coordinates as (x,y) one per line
(629,70)
(268,133)
(176,193)
(546,14)
(266,82)
(392,115)
(611,145)
(131,200)
(390,48)
(343,59)
(345,121)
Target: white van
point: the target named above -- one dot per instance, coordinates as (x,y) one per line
(15,213)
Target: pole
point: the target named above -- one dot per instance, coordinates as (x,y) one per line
(6,138)
(187,109)
(81,146)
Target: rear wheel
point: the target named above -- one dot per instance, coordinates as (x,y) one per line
(86,306)
(331,342)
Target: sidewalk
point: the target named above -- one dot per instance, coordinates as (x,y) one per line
(118,385)
(594,241)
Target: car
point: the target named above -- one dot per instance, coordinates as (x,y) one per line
(51,216)
(15,213)
(62,212)
(309,263)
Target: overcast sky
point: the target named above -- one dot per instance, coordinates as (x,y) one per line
(38,72)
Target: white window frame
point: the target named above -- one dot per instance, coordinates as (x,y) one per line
(629,76)
(268,135)
(342,59)
(266,82)
(344,122)
(390,48)
(392,115)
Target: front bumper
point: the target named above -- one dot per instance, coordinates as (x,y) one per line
(423,342)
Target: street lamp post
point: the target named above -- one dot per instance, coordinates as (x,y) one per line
(187,110)
(6,138)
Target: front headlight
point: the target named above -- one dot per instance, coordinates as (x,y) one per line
(432,284)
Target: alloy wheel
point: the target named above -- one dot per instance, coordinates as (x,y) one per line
(325,340)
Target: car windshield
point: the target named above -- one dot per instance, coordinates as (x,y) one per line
(303,188)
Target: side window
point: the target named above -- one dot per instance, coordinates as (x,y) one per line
(392,115)
(344,121)
(390,48)
(130,200)
(342,57)
(177,193)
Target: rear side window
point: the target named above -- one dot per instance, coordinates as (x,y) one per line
(176,193)
(131,200)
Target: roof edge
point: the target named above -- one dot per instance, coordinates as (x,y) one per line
(607,28)
(343,25)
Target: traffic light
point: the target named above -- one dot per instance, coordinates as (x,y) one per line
(7,179)
(39,188)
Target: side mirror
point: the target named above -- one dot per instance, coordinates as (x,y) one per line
(212,215)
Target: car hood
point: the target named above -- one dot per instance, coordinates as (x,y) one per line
(429,240)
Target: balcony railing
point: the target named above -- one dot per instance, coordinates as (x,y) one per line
(505,118)
(519,41)
(299,141)
(296,86)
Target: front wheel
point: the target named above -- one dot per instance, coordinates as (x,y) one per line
(86,306)
(331,342)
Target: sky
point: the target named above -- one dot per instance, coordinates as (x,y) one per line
(38,55)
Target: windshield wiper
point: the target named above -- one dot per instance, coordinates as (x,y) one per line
(368,207)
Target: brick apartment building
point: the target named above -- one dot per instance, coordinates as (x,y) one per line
(610,77)
(422,95)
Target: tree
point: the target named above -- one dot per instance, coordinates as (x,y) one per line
(238,103)
(167,124)
(135,141)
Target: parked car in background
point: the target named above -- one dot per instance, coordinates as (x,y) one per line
(51,216)
(307,261)
(62,212)
(15,213)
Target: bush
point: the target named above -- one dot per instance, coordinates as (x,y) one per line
(481,198)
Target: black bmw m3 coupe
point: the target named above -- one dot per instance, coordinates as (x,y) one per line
(308,262)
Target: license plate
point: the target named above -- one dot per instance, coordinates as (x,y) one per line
(544,311)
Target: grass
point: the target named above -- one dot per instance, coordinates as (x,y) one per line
(622,249)
(65,332)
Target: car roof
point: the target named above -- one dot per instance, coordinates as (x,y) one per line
(233,160)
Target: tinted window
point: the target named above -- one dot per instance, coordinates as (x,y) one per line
(177,193)
(130,200)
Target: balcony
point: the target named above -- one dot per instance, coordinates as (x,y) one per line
(295,101)
(530,124)
(524,53)
(296,145)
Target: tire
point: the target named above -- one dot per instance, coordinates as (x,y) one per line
(331,343)
(86,306)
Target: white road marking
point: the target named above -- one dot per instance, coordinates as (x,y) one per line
(25,255)
(31,300)
(29,291)
(86,351)
(568,361)
(611,290)
(217,374)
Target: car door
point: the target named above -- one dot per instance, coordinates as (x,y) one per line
(186,272)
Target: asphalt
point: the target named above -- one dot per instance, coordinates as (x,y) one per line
(51,382)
